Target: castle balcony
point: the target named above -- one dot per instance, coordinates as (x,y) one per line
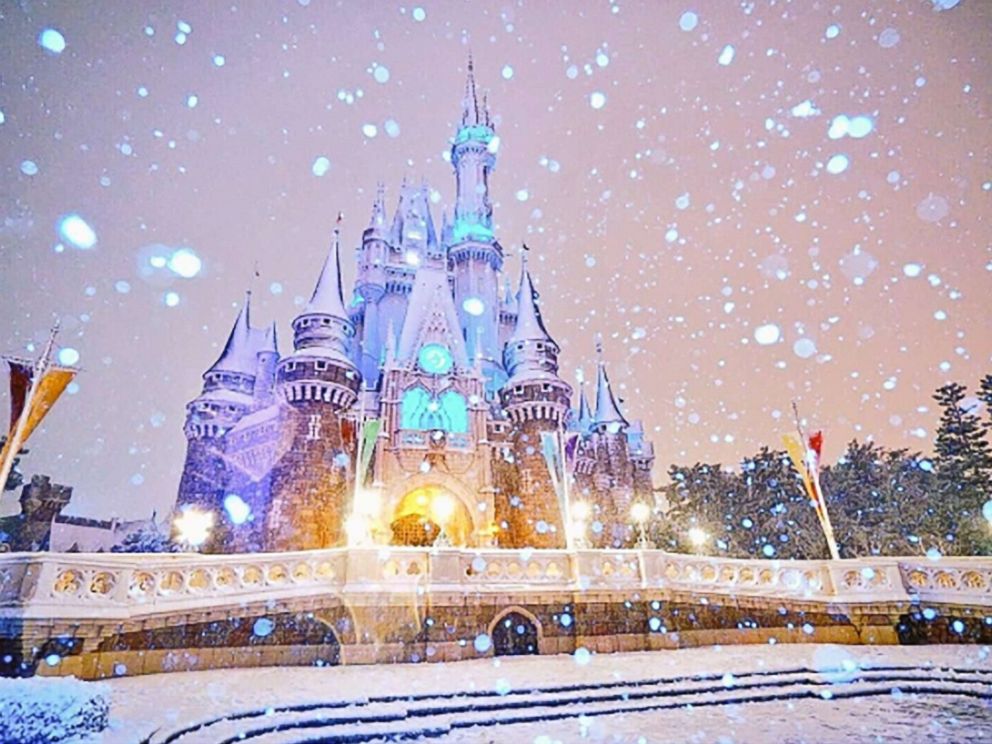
(103,615)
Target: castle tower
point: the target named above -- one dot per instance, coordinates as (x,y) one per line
(536,400)
(227,395)
(370,286)
(476,256)
(613,473)
(319,382)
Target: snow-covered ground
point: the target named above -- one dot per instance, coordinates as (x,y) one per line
(702,688)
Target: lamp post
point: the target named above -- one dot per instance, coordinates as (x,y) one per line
(698,537)
(193,527)
(640,512)
(580,516)
(442,509)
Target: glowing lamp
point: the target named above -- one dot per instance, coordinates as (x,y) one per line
(698,536)
(640,512)
(193,526)
(442,509)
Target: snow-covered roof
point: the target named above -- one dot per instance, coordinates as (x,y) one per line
(431,316)
(327,298)
(529,325)
(607,411)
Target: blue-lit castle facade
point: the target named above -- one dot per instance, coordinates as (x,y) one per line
(419,408)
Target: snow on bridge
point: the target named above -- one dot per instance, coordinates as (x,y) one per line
(121,614)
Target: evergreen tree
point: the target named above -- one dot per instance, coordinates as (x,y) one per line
(877,501)
(985,395)
(964,469)
(148,539)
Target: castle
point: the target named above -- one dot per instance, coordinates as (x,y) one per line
(428,409)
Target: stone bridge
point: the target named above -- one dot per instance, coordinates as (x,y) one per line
(100,615)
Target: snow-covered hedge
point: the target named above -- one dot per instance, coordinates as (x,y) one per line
(46,710)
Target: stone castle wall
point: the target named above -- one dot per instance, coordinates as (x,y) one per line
(100,616)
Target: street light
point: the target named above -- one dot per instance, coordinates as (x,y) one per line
(193,526)
(580,516)
(698,537)
(442,509)
(640,512)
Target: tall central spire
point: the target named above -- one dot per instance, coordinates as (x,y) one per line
(470,104)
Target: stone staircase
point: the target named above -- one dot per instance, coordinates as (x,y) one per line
(427,716)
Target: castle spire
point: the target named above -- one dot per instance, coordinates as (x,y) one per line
(378,219)
(239,353)
(607,411)
(585,414)
(328,297)
(529,326)
(470,104)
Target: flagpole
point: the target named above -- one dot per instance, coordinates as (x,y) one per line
(13,445)
(566,491)
(819,500)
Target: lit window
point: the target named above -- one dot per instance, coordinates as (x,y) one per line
(434,359)
(474,306)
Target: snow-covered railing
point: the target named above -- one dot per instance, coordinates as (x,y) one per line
(66,585)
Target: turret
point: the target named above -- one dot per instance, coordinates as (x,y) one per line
(266,359)
(320,368)
(534,389)
(229,383)
(583,422)
(476,256)
(536,401)
(370,286)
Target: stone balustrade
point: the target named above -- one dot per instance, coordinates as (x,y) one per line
(132,585)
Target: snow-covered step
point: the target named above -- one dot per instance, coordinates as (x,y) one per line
(239,726)
(438,711)
(428,726)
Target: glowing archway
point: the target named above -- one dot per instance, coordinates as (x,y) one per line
(424,511)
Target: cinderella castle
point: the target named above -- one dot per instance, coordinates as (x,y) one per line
(426,409)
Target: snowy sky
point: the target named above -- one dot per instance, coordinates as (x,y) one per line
(753,202)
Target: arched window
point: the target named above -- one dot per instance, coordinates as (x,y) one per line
(447,412)
(414,406)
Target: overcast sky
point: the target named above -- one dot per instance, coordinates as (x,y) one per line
(682,171)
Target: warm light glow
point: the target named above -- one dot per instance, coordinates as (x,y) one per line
(581,511)
(640,512)
(442,507)
(193,526)
(354,527)
(698,536)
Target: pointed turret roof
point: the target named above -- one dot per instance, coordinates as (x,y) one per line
(585,414)
(470,103)
(328,298)
(431,316)
(509,299)
(378,219)
(529,325)
(242,345)
(607,411)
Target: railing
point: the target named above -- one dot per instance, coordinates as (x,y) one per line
(65,585)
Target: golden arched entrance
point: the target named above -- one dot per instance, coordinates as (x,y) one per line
(424,511)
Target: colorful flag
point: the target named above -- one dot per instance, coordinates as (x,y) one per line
(549,448)
(370,430)
(21,373)
(806,460)
(48,390)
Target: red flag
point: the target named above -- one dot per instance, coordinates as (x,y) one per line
(20,382)
(816,444)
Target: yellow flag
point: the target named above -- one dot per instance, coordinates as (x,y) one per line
(49,389)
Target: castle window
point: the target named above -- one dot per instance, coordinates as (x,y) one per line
(321,365)
(421,411)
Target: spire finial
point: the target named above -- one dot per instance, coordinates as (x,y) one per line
(470,109)
(599,348)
